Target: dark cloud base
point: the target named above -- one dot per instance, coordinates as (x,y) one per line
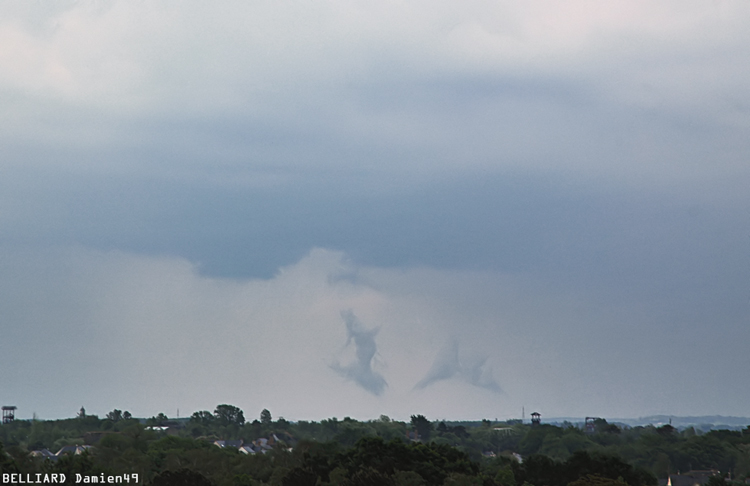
(637,243)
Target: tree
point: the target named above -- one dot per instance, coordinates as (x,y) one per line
(300,477)
(282,423)
(582,463)
(7,464)
(666,431)
(716,481)
(408,478)
(596,480)
(433,462)
(115,415)
(602,427)
(422,426)
(204,417)
(265,417)
(183,477)
(229,415)
(504,477)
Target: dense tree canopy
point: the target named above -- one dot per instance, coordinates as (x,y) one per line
(381,451)
(229,415)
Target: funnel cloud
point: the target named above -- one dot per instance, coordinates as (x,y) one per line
(360,370)
(447,366)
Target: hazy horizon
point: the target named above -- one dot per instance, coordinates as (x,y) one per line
(716,421)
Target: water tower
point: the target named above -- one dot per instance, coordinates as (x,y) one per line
(9,414)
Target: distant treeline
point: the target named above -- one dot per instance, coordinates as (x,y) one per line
(165,451)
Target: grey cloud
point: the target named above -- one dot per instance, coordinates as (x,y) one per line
(360,370)
(612,172)
(444,367)
(447,365)
(480,375)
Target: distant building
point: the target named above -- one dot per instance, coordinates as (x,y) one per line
(690,478)
(44,454)
(74,450)
(223,444)
(9,413)
(536,418)
(261,445)
(413,435)
(590,425)
(247,449)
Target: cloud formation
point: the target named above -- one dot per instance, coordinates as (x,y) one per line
(444,367)
(425,88)
(447,366)
(534,180)
(360,369)
(73,317)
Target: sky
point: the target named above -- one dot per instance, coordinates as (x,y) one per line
(464,210)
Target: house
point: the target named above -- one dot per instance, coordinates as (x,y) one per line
(44,454)
(75,450)
(284,437)
(235,444)
(690,478)
(248,449)
(261,445)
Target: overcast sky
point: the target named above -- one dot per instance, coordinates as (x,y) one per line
(350,208)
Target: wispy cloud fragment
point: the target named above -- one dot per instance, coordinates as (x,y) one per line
(447,366)
(444,367)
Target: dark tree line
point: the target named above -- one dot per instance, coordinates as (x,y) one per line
(382,451)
